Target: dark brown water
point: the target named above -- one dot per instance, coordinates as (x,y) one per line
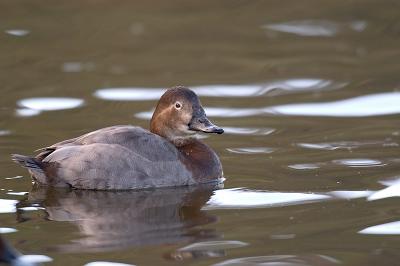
(309,95)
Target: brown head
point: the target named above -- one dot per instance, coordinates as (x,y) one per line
(179,115)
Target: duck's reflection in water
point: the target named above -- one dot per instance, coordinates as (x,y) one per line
(115,220)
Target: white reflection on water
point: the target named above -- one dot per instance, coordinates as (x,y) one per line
(306,27)
(50,104)
(214,245)
(129,94)
(393,190)
(248,131)
(251,150)
(359,162)
(244,198)
(106,263)
(348,194)
(390,182)
(22,193)
(330,146)
(31,260)
(7,206)
(7,230)
(362,106)
(367,105)
(14,177)
(312,28)
(34,106)
(304,166)
(18,32)
(392,228)
(273,88)
(25,112)
(241,198)
(31,208)
(282,260)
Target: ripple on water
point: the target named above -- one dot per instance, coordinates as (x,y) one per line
(361,106)
(277,87)
(304,166)
(107,263)
(238,198)
(288,260)
(330,146)
(17,32)
(34,106)
(312,28)
(359,162)
(207,249)
(248,131)
(251,150)
(211,245)
(392,228)
(271,88)
(14,177)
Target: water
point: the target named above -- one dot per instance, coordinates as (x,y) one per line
(308,96)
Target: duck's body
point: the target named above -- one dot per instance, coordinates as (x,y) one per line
(128,157)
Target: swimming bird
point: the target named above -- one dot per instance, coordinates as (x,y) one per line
(127,157)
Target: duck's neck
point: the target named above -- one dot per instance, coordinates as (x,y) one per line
(161,129)
(177,141)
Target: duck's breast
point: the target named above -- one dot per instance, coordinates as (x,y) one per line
(201,161)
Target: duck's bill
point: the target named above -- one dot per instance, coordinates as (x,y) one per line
(204,125)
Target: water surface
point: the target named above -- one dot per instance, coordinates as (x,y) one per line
(307,92)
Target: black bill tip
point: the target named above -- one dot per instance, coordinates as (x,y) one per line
(218,130)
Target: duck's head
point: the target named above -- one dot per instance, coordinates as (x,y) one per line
(179,115)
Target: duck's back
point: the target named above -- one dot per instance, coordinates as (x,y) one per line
(118,157)
(137,139)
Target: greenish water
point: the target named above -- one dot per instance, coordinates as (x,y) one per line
(308,94)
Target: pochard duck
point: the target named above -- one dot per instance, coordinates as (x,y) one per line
(128,157)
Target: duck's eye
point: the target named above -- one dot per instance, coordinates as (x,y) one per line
(178,105)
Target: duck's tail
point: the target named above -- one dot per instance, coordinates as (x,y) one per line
(27,162)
